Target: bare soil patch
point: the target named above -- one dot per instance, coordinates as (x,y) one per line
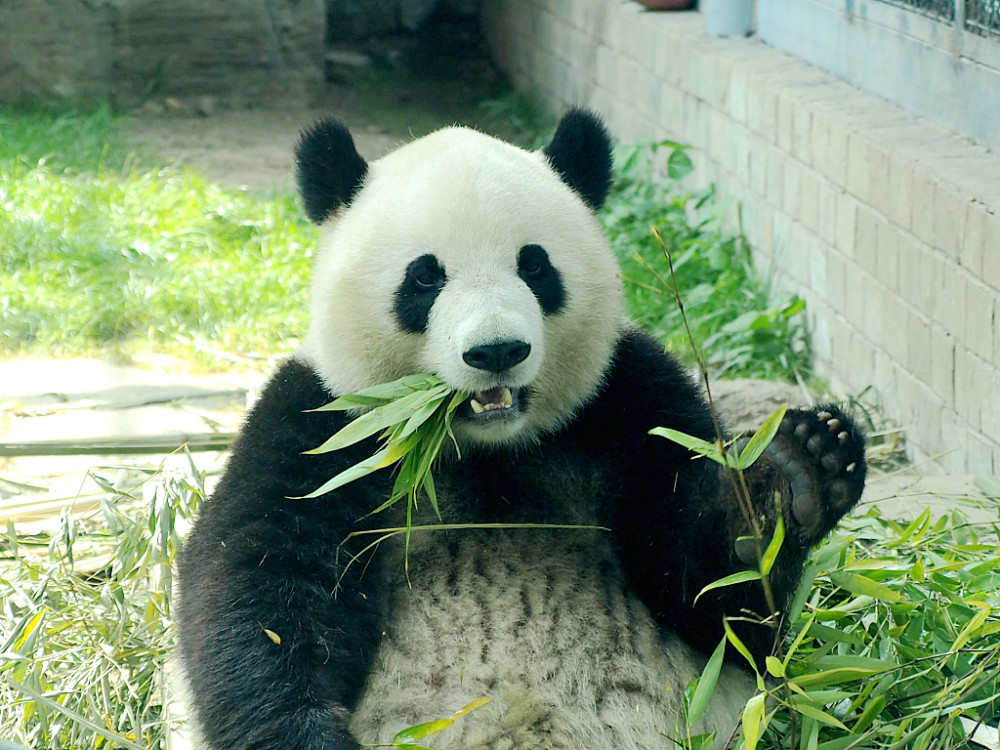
(250,149)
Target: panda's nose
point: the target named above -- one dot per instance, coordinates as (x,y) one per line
(497,357)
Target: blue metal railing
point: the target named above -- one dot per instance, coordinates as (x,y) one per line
(980,17)
(983,17)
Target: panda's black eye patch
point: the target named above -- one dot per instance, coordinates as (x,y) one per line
(537,271)
(415,296)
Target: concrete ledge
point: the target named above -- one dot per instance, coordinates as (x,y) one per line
(887,224)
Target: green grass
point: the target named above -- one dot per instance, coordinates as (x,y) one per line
(63,140)
(100,252)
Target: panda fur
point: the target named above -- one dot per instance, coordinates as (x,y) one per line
(472,259)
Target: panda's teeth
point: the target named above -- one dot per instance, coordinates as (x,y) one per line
(497,398)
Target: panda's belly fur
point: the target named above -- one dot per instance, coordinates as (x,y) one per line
(541,622)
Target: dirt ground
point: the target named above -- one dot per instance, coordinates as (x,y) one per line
(250,149)
(382,107)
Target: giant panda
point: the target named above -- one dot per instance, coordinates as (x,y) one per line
(484,264)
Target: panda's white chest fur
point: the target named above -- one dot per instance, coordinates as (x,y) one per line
(539,621)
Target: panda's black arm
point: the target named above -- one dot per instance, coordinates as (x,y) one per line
(273,656)
(676,518)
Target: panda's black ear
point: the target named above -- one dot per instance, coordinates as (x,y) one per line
(329,169)
(581,153)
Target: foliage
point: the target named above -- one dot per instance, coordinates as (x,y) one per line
(414,415)
(898,639)
(743,328)
(406,739)
(62,139)
(894,642)
(86,616)
(102,253)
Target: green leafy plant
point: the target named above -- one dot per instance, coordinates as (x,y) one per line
(895,640)
(86,622)
(414,415)
(744,328)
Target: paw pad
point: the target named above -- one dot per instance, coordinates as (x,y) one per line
(822,454)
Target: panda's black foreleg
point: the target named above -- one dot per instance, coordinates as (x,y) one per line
(683,525)
(822,453)
(274,659)
(812,474)
(277,633)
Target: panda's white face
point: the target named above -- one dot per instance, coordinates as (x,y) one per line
(469,258)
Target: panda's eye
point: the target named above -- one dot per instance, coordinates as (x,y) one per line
(427,278)
(532,269)
(532,262)
(542,278)
(426,273)
(415,296)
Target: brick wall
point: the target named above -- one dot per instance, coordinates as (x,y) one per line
(888,225)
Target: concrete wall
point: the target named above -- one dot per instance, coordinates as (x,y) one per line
(888,225)
(930,68)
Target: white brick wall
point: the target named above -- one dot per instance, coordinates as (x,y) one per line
(888,225)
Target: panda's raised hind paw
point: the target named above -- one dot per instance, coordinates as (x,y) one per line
(822,452)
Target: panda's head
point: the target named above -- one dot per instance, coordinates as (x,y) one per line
(469,258)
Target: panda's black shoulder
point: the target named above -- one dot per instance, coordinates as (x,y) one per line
(283,412)
(645,387)
(268,463)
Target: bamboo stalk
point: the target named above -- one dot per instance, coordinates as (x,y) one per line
(116,446)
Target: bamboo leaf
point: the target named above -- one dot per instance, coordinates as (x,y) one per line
(821,716)
(743,576)
(774,546)
(703,448)
(470,707)
(347,476)
(414,733)
(739,645)
(864,586)
(761,439)
(383,392)
(973,625)
(421,415)
(375,421)
(753,721)
(774,666)
(706,684)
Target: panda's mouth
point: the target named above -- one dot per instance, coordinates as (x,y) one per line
(493,404)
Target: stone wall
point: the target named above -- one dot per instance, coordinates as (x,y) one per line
(238,51)
(888,225)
